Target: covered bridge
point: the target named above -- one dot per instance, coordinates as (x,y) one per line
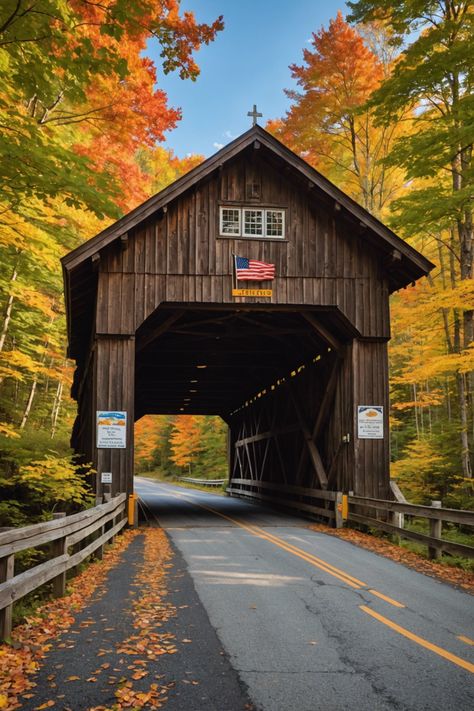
(296,364)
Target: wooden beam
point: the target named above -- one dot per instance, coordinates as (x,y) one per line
(158,331)
(266,435)
(313,451)
(95,259)
(322,331)
(124,242)
(323,412)
(327,400)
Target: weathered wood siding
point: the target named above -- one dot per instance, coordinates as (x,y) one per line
(179,257)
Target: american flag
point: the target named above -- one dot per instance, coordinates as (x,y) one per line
(253,270)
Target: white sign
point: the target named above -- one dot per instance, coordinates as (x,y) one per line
(370,422)
(111,429)
(106,478)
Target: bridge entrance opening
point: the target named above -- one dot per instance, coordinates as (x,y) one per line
(275,377)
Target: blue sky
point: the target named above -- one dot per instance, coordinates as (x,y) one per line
(246,64)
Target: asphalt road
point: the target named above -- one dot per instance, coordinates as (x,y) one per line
(312,622)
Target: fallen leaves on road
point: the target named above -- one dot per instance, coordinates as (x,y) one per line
(31,641)
(455,576)
(149,611)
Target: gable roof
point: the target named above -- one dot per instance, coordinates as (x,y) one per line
(417,265)
(404,263)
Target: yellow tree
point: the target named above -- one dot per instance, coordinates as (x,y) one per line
(185,440)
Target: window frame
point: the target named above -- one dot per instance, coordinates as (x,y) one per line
(262,223)
(221,221)
(253,208)
(283,223)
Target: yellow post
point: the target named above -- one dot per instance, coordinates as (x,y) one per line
(345,507)
(131,509)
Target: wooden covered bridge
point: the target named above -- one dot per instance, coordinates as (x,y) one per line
(296,364)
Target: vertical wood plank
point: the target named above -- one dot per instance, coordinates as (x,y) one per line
(7,567)
(59,548)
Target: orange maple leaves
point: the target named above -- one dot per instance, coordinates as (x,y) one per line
(31,642)
(382,546)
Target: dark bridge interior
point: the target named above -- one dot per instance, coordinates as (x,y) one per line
(212,361)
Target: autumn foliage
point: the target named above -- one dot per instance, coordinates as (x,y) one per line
(382,108)
(82,114)
(182,445)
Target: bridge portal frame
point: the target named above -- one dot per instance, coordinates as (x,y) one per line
(150,305)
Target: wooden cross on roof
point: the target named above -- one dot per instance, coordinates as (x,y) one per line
(254,114)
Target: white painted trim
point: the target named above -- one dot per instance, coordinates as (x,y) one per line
(221,211)
(250,208)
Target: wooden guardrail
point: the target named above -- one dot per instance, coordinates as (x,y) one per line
(62,533)
(338,508)
(327,504)
(203,482)
(435,514)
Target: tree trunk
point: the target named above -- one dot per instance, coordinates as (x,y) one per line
(26,414)
(8,312)
(56,407)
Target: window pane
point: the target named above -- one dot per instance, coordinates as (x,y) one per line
(230,221)
(274,223)
(253,222)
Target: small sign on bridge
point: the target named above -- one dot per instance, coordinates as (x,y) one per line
(111,429)
(370,422)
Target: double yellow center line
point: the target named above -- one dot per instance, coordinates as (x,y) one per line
(341,575)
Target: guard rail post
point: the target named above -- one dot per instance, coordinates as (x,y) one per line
(59,548)
(7,568)
(435,532)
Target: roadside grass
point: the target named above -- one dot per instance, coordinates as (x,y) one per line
(450,532)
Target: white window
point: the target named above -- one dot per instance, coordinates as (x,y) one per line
(251,222)
(230,221)
(274,223)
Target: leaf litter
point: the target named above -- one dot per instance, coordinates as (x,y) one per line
(20,660)
(455,576)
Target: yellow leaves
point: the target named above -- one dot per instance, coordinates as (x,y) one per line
(412,471)
(34,299)
(424,399)
(8,431)
(56,478)
(46,705)
(13,363)
(3,701)
(434,366)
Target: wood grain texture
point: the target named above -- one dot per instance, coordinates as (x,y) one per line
(164,309)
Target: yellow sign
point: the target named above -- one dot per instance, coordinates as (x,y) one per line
(252,292)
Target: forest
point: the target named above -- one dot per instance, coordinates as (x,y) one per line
(383,107)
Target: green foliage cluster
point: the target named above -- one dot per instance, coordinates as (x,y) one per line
(38,478)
